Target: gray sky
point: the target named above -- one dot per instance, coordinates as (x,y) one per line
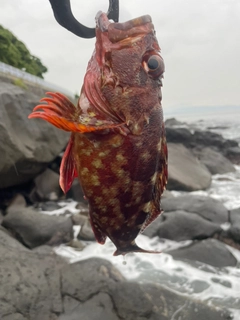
(200,43)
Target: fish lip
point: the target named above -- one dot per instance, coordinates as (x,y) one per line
(102,21)
(130,29)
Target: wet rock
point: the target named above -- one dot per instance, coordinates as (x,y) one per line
(233,154)
(214,161)
(84,279)
(29,282)
(179,135)
(47,185)
(207,207)
(186,173)
(235,216)
(86,232)
(171,122)
(180,225)
(49,206)
(76,244)
(210,251)
(76,192)
(208,138)
(169,305)
(26,146)
(34,229)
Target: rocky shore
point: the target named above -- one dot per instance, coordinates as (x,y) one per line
(35,283)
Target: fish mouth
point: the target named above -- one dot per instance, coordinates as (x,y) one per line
(121,31)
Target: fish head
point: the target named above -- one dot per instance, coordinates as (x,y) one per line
(126,70)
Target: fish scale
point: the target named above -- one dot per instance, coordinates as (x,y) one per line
(117,147)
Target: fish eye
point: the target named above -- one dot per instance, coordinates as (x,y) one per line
(153,64)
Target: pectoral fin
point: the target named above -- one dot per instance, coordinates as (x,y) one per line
(61,112)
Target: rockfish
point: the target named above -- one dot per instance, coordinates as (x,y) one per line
(117,148)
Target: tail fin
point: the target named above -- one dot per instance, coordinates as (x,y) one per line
(133,247)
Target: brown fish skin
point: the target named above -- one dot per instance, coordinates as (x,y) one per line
(118,146)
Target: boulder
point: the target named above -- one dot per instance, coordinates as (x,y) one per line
(26,146)
(233,154)
(30,286)
(207,207)
(47,186)
(186,173)
(179,135)
(214,161)
(33,228)
(208,138)
(36,285)
(209,251)
(181,225)
(86,232)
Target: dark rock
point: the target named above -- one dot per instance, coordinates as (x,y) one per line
(181,225)
(49,206)
(86,232)
(84,279)
(34,229)
(210,251)
(100,306)
(26,146)
(235,216)
(170,305)
(186,173)
(47,185)
(208,208)
(233,154)
(29,282)
(234,233)
(179,135)
(173,122)
(76,192)
(214,161)
(208,138)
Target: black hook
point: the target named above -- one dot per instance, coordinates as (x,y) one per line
(64,16)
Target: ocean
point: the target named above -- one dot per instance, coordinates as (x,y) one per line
(163,269)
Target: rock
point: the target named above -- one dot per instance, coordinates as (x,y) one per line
(29,282)
(170,305)
(233,154)
(179,135)
(214,161)
(36,285)
(84,279)
(208,138)
(76,244)
(173,122)
(86,232)
(207,207)
(76,192)
(49,206)
(26,146)
(186,173)
(94,289)
(235,216)
(34,228)
(210,251)
(47,185)
(181,225)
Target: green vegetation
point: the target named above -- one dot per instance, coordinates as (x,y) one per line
(15,53)
(19,82)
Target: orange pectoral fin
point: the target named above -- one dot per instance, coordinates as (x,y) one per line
(68,168)
(62,113)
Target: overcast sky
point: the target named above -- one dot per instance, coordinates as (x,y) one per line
(200,43)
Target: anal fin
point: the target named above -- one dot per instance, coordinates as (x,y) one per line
(68,167)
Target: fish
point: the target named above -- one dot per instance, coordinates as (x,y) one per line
(117,147)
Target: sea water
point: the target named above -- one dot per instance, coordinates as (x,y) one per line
(219,287)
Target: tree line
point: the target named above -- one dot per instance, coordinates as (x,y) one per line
(15,53)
